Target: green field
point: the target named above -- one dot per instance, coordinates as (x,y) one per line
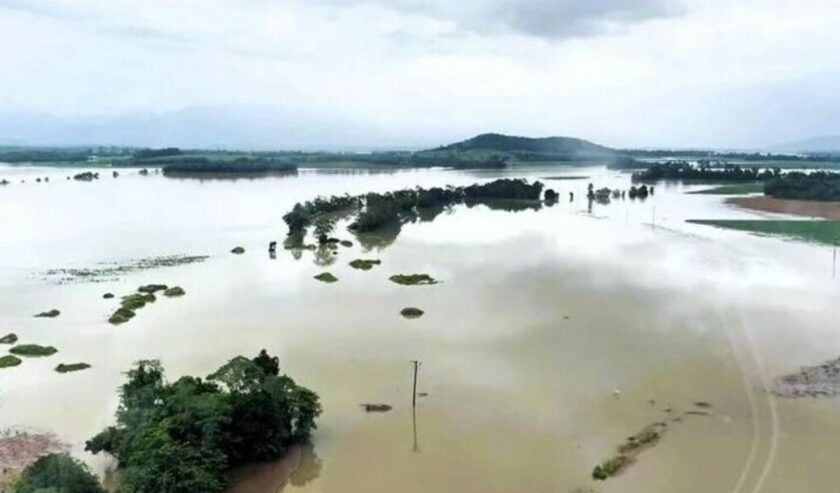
(814,231)
(736,189)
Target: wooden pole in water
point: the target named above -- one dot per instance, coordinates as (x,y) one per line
(834,260)
(414,393)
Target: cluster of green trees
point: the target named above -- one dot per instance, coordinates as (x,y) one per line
(716,155)
(377,210)
(684,170)
(239,166)
(182,437)
(818,185)
(41,155)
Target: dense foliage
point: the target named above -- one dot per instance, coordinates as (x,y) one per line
(377,210)
(683,170)
(57,473)
(153,153)
(805,186)
(182,437)
(243,166)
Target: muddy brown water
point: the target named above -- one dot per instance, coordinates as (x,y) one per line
(541,315)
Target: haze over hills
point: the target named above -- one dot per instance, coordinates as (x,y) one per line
(826,143)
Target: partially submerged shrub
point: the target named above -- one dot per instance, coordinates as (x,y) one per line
(9,361)
(610,467)
(152,288)
(363,264)
(411,312)
(57,473)
(326,277)
(137,300)
(174,291)
(121,316)
(108,296)
(70,367)
(238,250)
(413,279)
(33,350)
(9,339)
(50,314)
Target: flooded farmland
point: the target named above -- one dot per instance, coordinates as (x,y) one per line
(553,335)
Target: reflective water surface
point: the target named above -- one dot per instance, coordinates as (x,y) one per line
(541,315)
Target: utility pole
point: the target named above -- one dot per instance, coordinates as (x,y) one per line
(414,394)
(834,260)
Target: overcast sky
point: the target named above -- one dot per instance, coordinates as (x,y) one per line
(722,73)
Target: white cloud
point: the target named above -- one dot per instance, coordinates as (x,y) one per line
(707,72)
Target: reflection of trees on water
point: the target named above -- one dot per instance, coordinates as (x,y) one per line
(506,205)
(309,467)
(324,255)
(381,238)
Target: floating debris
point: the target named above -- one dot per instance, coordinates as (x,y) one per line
(113,271)
(376,408)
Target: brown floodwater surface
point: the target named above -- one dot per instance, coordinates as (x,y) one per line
(540,317)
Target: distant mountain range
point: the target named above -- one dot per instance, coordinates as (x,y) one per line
(827,144)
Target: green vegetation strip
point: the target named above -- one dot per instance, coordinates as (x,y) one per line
(71,367)
(413,279)
(739,189)
(815,231)
(50,314)
(33,350)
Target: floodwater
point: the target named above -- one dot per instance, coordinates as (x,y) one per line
(541,315)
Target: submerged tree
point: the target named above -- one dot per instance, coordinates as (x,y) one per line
(182,437)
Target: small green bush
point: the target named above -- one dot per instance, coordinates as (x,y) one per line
(363,264)
(121,316)
(9,339)
(326,277)
(9,361)
(411,312)
(413,279)
(57,473)
(238,250)
(174,292)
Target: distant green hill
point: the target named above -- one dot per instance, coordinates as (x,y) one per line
(515,148)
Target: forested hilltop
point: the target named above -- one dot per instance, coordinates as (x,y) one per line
(489,150)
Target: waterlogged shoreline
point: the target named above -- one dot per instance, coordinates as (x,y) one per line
(804,208)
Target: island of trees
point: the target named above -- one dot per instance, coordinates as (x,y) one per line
(373,211)
(183,436)
(818,185)
(684,170)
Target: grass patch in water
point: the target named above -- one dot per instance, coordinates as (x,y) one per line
(816,231)
(152,288)
(9,339)
(611,467)
(121,316)
(33,350)
(137,300)
(326,277)
(174,292)
(413,279)
(71,367)
(411,312)
(363,264)
(8,361)
(50,314)
(736,189)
